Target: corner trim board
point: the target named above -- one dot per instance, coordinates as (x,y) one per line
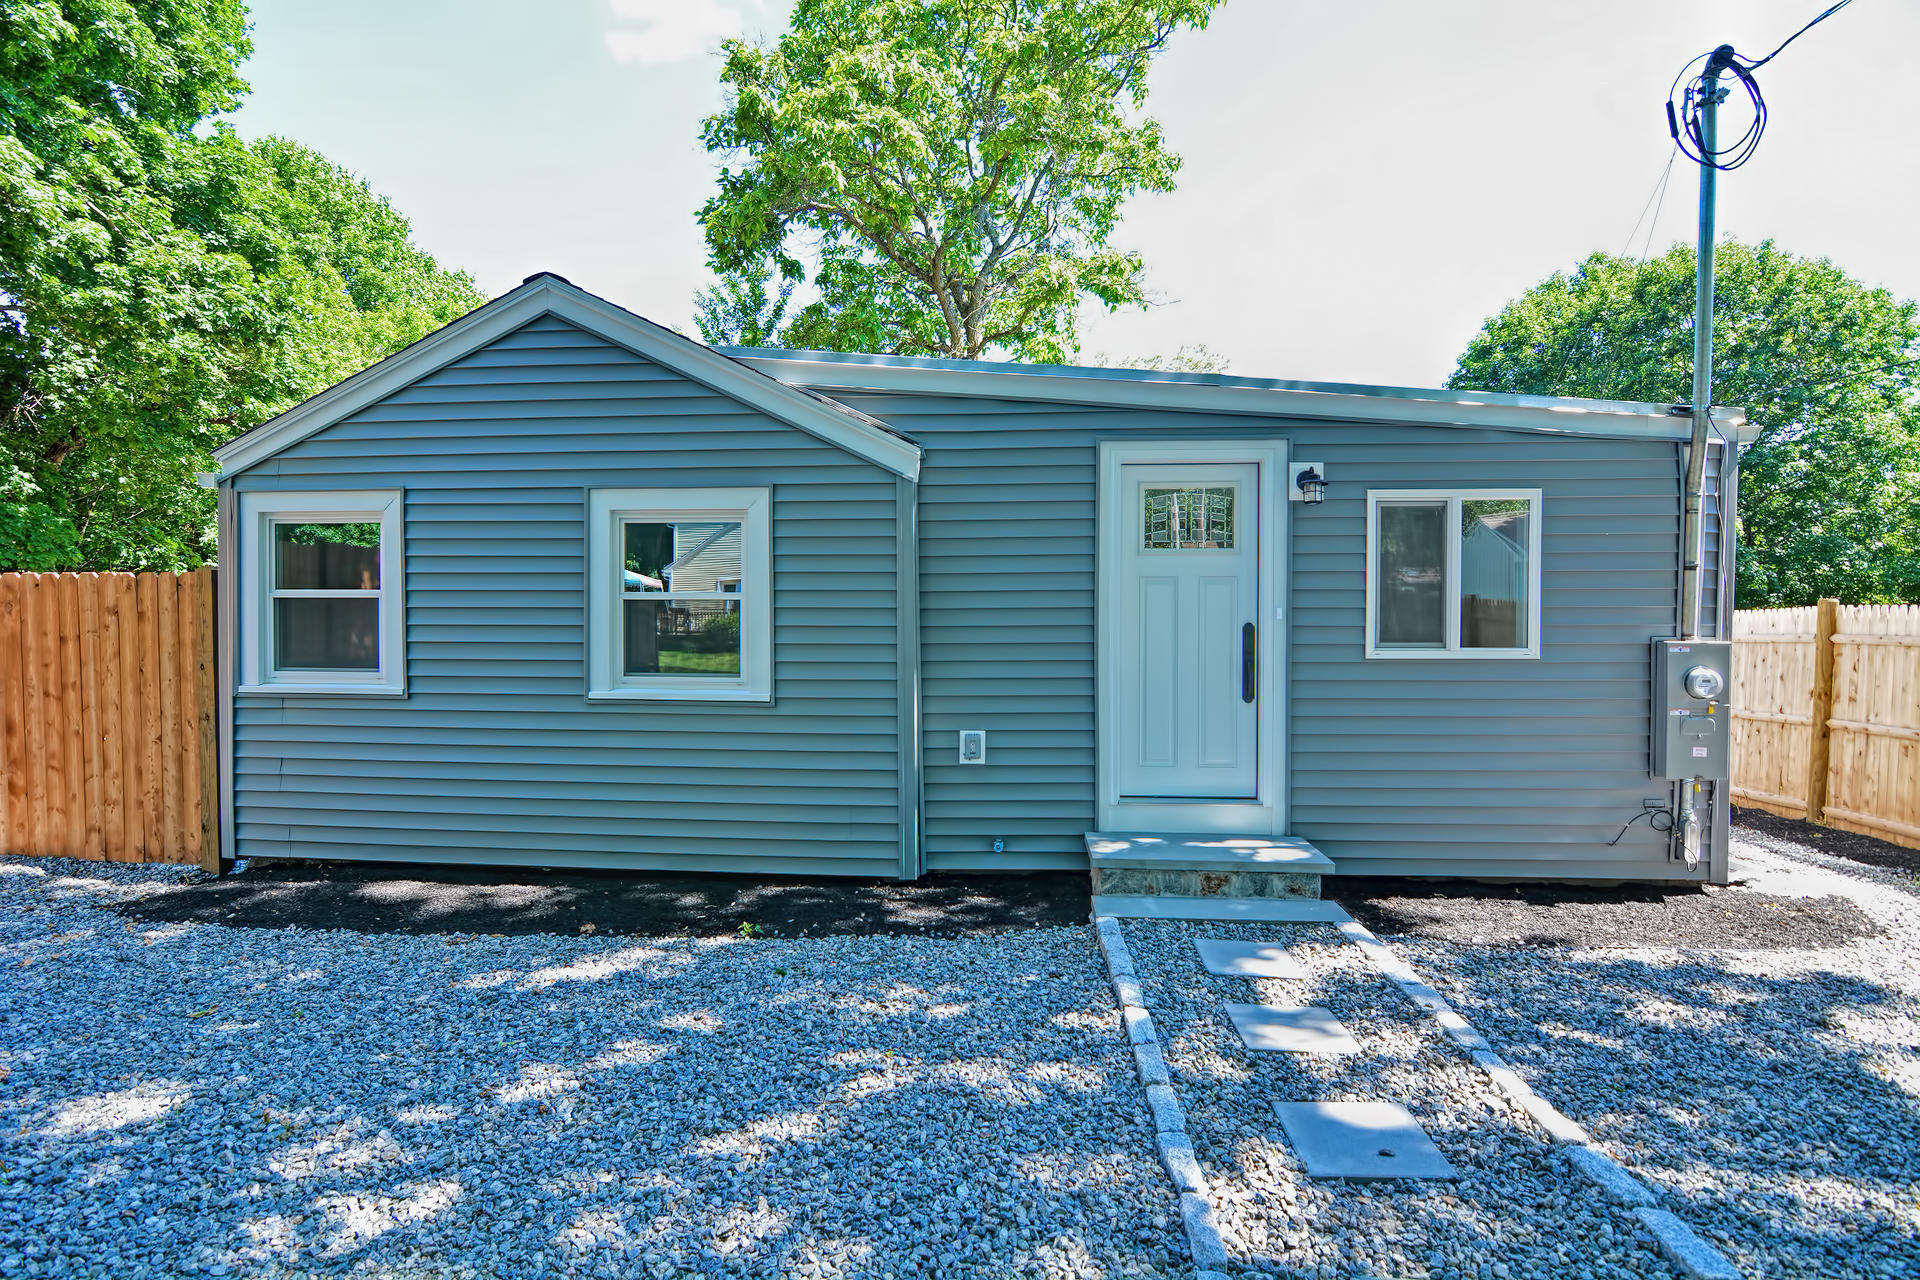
(226,612)
(907,676)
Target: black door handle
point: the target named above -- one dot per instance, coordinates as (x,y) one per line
(1248,664)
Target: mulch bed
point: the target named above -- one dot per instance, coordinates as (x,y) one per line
(410,898)
(366,897)
(1573,915)
(1630,915)
(1831,841)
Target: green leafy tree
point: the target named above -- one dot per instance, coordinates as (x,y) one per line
(1824,365)
(1192,357)
(954,168)
(744,309)
(163,284)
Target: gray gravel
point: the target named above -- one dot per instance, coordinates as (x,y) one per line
(1772,1096)
(1517,1209)
(195,1099)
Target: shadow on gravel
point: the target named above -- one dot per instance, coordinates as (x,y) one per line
(684,1109)
(1572,915)
(1757,1097)
(409,898)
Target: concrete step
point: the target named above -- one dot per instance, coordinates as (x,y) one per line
(1205,852)
(1162,906)
(1205,865)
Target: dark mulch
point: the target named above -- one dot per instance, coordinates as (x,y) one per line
(1830,841)
(1572,915)
(410,898)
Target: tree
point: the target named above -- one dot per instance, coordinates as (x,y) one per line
(740,311)
(1190,357)
(958,167)
(1830,492)
(163,284)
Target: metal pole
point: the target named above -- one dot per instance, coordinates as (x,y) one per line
(1687,824)
(1709,106)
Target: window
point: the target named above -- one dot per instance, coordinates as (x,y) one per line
(322,582)
(1196,518)
(680,595)
(1453,574)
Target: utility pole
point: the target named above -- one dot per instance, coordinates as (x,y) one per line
(1686,832)
(1708,103)
(1696,457)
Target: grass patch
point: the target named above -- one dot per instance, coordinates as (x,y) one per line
(682,662)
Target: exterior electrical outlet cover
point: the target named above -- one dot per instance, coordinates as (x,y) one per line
(1691,732)
(973,746)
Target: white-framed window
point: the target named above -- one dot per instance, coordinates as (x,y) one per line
(1453,573)
(322,592)
(680,595)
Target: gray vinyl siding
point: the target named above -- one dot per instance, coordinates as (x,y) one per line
(1713,572)
(1441,767)
(495,755)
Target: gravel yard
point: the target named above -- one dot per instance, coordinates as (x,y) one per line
(180,1095)
(1515,1204)
(1771,1092)
(193,1098)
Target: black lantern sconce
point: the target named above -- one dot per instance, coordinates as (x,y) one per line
(1311,484)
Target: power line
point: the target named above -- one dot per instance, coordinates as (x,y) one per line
(1647,248)
(1659,189)
(1843,376)
(1802,31)
(1683,122)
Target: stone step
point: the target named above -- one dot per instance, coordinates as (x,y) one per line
(1205,865)
(1205,852)
(1159,906)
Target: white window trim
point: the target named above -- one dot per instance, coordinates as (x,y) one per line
(259,511)
(606,510)
(1453,499)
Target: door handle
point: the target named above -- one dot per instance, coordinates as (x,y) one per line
(1248,663)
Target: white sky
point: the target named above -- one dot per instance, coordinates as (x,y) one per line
(1364,182)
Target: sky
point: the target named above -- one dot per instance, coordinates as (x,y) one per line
(1364,183)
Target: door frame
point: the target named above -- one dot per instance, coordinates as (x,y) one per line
(1267,814)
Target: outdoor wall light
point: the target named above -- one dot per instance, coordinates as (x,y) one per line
(1312,486)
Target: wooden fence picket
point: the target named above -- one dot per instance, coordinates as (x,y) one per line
(1826,713)
(107,716)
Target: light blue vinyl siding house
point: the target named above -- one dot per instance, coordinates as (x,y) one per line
(523,663)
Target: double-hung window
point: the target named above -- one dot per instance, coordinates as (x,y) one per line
(322,578)
(1453,573)
(680,595)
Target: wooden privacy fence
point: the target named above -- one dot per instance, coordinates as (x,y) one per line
(107,734)
(1826,715)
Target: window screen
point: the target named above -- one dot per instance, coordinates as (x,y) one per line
(326,596)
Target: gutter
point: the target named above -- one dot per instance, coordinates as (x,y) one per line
(1251,397)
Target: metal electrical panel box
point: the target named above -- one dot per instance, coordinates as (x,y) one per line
(1691,719)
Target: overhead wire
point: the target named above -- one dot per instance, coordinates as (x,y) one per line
(1659,189)
(1683,120)
(1828,13)
(1647,248)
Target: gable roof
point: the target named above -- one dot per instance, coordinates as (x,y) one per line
(547,294)
(833,372)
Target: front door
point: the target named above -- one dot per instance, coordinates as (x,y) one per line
(1185,613)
